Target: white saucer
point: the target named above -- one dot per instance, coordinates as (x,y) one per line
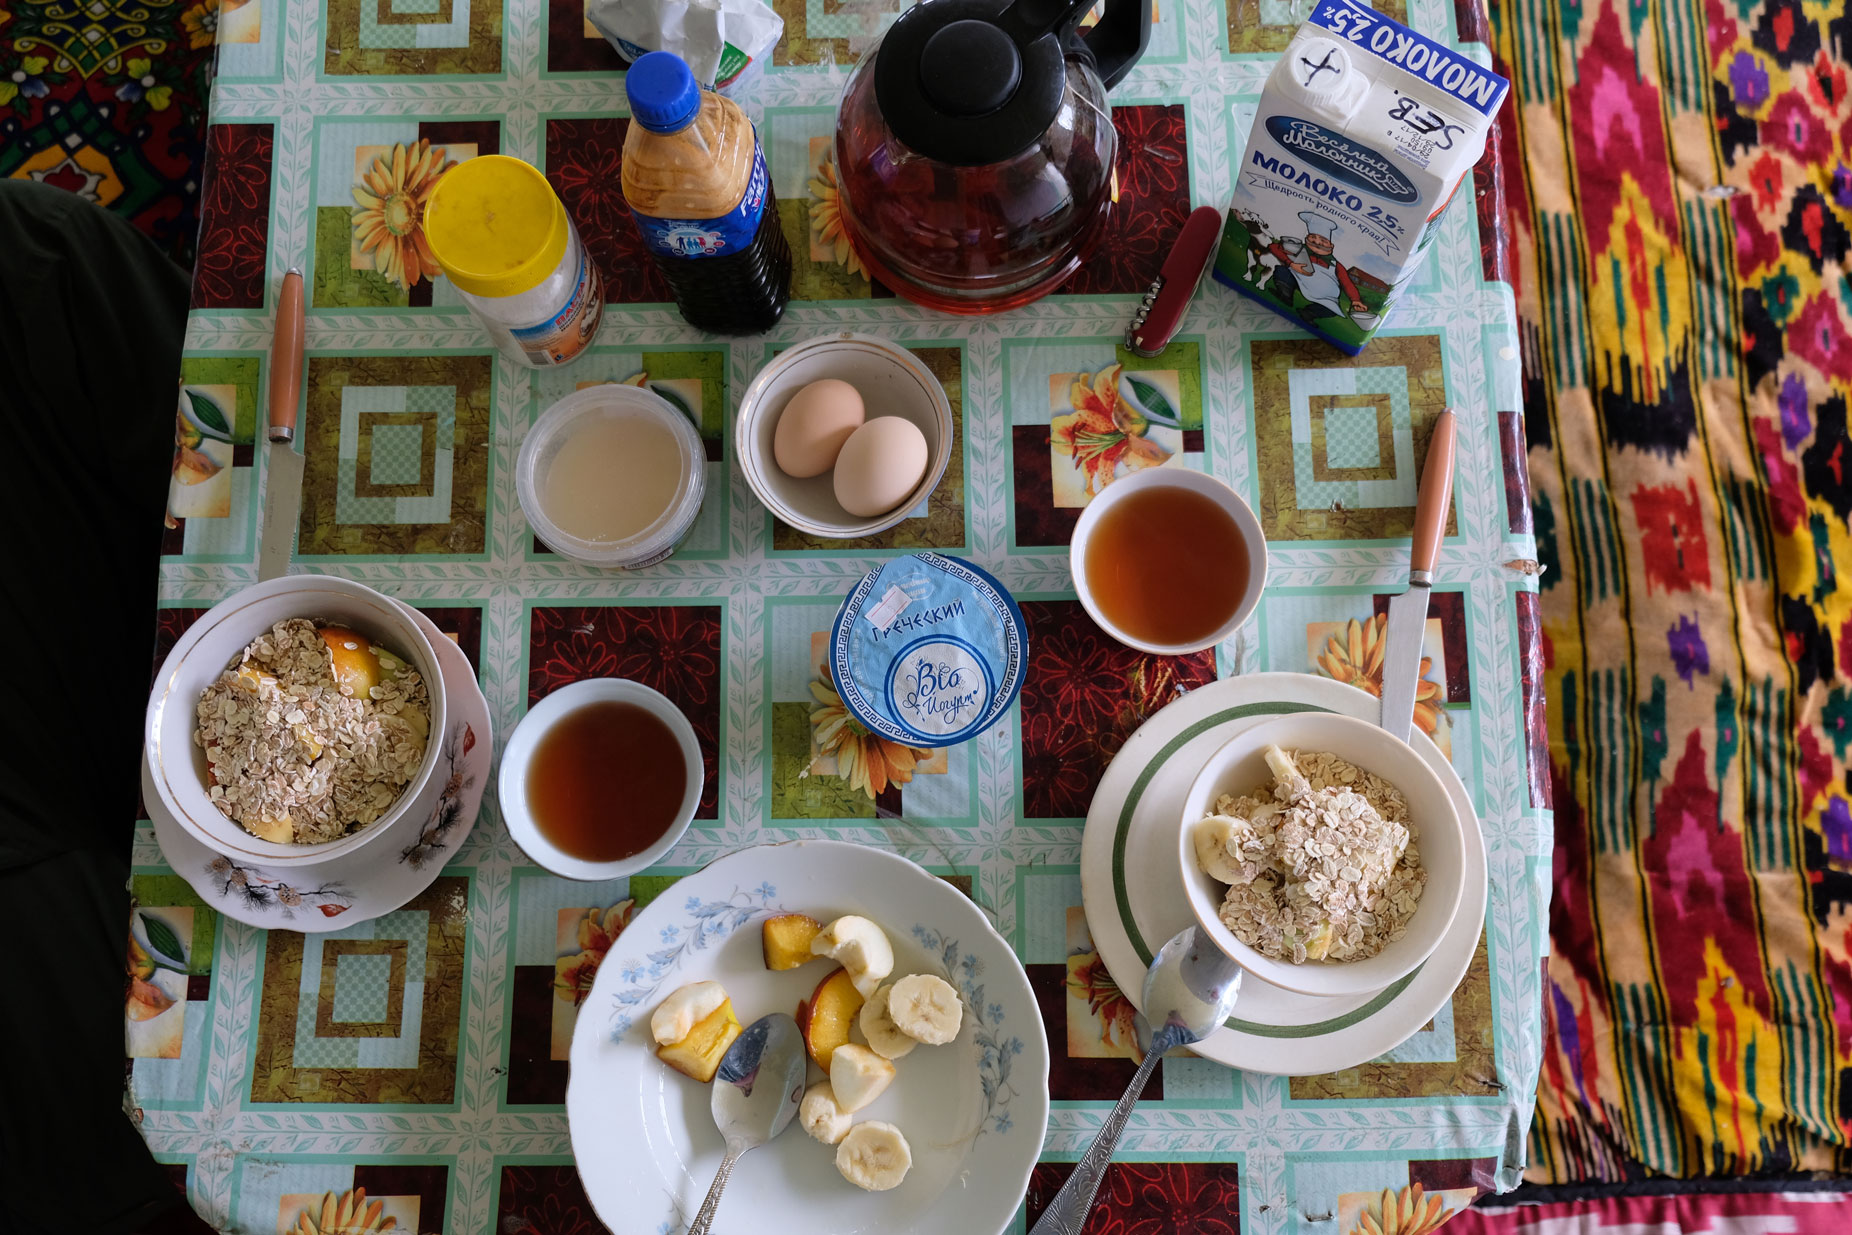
(340,893)
(1130,884)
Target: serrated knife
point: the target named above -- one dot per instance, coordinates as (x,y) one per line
(1408,613)
(283,466)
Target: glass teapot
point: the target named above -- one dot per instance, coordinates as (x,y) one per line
(974,146)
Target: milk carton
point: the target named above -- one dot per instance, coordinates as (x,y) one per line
(1364,131)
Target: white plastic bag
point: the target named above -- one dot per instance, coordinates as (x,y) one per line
(725,42)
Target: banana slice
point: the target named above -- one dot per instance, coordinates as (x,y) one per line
(1214,836)
(874,1156)
(821,1116)
(1286,773)
(884,1036)
(860,947)
(926,1009)
(685,1007)
(858,1075)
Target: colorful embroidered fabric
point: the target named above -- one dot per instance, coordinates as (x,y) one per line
(1678,190)
(107,98)
(1700,1213)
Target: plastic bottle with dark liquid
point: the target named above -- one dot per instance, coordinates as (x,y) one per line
(695,178)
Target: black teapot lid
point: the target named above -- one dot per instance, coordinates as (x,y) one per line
(969,82)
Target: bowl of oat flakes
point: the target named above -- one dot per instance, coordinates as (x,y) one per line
(1322,854)
(298,721)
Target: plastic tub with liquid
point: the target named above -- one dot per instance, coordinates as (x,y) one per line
(612,476)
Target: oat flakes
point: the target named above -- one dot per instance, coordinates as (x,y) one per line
(297,758)
(1326,868)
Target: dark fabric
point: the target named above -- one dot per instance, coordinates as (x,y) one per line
(70,1160)
(91,321)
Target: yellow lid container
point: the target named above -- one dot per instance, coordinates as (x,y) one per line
(495,226)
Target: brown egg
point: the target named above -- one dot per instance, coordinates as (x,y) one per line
(814,425)
(880,465)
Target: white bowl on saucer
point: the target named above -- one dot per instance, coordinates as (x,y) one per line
(891,381)
(1186,478)
(511,786)
(176,762)
(1240,766)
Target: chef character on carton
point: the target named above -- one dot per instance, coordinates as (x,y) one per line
(1311,270)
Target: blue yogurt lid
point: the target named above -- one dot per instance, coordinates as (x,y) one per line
(928,651)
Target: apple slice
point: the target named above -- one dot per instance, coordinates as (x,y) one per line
(686,1007)
(832,1010)
(859,946)
(698,1055)
(787,940)
(858,1075)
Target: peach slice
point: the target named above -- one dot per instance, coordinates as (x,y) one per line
(356,663)
(831,1012)
(698,1055)
(787,940)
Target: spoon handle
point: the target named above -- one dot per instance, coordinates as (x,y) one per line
(1067,1213)
(705,1218)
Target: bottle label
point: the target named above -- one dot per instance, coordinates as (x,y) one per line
(728,234)
(565,334)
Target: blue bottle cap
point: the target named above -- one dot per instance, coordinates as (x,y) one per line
(928,651)
(663,93)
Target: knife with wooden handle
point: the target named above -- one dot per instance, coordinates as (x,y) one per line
(1408,613)
(282,465)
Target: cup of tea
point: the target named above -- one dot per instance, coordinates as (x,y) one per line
(1168,560)
(600,779)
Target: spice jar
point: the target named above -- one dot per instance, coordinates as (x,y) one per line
(505,241)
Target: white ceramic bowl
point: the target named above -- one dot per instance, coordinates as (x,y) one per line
(891,381)
(511,787)
(213,643)
(1186,478)
(552,432)
(1240,767)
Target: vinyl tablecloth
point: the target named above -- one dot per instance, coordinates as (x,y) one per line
(421,1056)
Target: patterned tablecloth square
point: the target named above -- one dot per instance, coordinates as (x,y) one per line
(413,37)
(1083,696)
(304,1050)
(346,509)
(423,1056)
(1309,389)
(367,977)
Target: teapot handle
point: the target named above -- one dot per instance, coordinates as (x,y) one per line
(1119,38)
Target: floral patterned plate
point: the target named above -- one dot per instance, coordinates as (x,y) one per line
(339,893)
(973,1111)
(1131,886)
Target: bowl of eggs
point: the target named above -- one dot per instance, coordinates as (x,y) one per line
(844,436)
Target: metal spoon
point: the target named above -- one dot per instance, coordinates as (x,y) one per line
(1190,988)
(756,1092)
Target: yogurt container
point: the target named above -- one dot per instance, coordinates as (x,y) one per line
(928,651)
(620,442)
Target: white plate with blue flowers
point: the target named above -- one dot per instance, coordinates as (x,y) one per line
(973,1111)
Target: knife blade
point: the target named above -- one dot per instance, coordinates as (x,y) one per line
(1408,613)
(282,465)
